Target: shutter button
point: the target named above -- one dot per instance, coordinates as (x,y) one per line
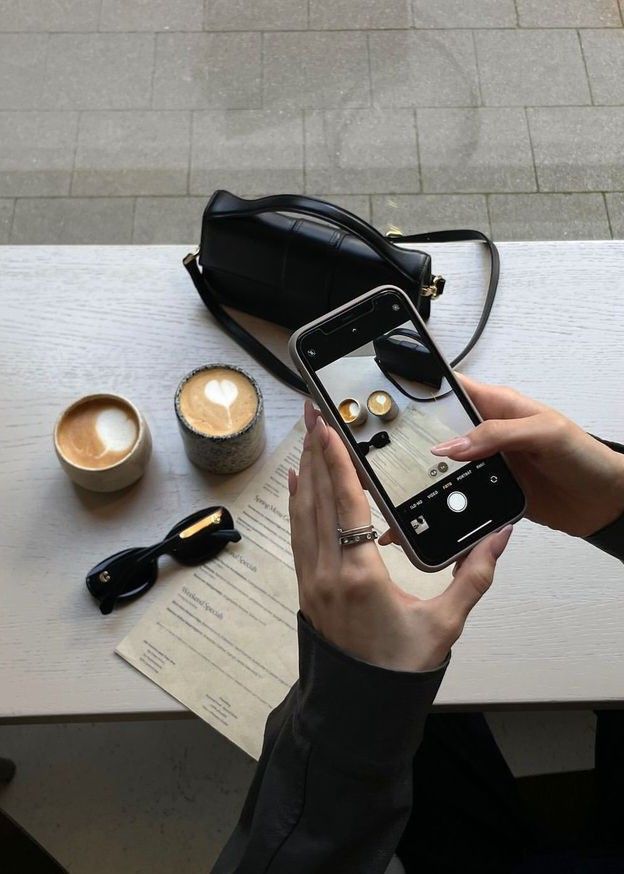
(457,501)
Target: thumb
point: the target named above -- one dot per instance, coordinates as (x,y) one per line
(389,536)
(498,401)
(474,576)
(499,435)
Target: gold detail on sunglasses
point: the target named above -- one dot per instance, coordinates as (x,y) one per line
(211,519)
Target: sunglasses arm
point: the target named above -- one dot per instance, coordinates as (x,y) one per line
(230,535)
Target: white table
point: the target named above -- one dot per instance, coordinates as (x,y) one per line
(127,319)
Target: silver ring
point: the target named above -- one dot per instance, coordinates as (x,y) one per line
(359,534)
(356,530)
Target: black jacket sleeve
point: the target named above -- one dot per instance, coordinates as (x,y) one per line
(610,538)
(333,788)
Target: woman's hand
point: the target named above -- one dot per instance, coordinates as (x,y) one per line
(572,482)
(346,592)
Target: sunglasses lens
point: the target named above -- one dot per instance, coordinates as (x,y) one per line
(119,577)
(196,535)
(381,439)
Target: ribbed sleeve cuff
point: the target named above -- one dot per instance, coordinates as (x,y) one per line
(360,712)
(610,538)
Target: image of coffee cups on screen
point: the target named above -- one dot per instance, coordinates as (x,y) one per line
(406,361)
(220,413)
(102,442)
(352,412)
(380,403)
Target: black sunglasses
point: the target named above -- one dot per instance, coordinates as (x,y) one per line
(131,572)
(377,441)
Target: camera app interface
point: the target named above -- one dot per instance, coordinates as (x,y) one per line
(387,385)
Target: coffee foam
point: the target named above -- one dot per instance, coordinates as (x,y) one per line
(379,402)
(116,430)
(97,433)
(222,392)
(218,401)
(349,410)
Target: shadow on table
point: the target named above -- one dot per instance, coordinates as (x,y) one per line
(20,853)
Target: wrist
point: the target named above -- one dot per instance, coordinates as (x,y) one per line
(605,497)
(615,505)
(367,717)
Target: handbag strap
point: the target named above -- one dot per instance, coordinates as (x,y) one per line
(227,205)
(460,236)
(242,336)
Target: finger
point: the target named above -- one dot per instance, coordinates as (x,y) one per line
(388,537)
(303,533)
(310,415)
(352,507)
(500,435)
(362,479)
(474,577)
(498,401)
(292,482)
(324,501)
(458,564)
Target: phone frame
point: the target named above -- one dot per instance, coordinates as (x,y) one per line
(310,378)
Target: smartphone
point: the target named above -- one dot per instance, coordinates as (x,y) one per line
(380,380)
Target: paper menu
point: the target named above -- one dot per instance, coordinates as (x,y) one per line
(222,639)
(404,466)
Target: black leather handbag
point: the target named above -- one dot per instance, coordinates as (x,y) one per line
(291,258)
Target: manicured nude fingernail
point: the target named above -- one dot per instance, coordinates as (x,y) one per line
(501,540)
(459,444)
(309,415)
(292,481)
(321,430)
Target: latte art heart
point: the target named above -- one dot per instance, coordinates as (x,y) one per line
(116,430)
(218,401)
(98,433)
(221,391)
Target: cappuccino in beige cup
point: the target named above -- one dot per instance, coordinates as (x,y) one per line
(220,414)
(102,442)
(352,412)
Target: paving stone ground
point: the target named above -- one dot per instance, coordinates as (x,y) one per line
(118,118)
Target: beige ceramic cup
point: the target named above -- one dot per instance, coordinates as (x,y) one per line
(352,412)
(102,442)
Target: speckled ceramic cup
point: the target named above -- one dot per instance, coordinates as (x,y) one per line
(220,413)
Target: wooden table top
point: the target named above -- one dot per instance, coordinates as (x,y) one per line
(127,319)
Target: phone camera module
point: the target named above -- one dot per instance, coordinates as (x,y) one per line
(396,307)
(311,352)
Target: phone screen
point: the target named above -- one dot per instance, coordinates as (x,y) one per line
(389,388)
